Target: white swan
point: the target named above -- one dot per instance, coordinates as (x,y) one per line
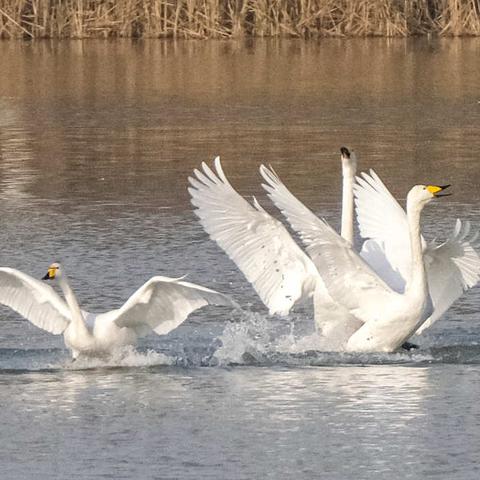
(278,269)
(160,305)
(389,318)
(452,267)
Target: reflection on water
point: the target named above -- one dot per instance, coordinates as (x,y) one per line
(96,142)
(246,423)
(119,115)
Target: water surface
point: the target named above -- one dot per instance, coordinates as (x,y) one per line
(97,140)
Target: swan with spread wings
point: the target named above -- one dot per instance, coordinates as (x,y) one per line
(160,305)
(452,266)
(386,263)
(282,273)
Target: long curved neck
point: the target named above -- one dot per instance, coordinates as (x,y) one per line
(418,278)
(348,172)
(71,300)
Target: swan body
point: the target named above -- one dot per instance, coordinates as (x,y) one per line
(160,305)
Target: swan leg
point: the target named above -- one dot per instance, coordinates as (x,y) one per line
(409,346)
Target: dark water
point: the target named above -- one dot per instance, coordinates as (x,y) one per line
(97,140)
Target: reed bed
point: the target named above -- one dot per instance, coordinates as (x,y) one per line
(236,18)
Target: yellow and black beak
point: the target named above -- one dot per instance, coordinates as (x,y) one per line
(436,190)
(50,274)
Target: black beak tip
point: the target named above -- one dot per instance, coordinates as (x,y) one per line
(441,194)
(345,152)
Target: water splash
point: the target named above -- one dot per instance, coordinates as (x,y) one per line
(260,340)
(125,357)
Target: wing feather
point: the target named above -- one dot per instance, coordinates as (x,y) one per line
(301,218)
(348,278)
(350,282)
(452,267)
(382,219)
(163,303)
(261,247)
(34,300)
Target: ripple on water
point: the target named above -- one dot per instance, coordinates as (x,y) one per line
(254,341)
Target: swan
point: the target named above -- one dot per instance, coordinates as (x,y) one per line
(452,266)
(161,305)
(281,273)
(388,317)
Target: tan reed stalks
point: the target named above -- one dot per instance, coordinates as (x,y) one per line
(236,18)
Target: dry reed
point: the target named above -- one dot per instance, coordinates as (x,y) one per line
(236,18)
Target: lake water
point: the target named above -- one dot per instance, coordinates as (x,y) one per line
(97,140)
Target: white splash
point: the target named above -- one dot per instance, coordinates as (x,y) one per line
(124,357)
(258,339)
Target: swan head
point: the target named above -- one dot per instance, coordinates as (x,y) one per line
(349,161)
(54,271)
(423,194)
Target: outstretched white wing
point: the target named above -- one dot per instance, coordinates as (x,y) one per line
(381,219)
(34,300)
(163,303)
(347,277)
(452,267)
(333,319)
(260,245)
(301,218)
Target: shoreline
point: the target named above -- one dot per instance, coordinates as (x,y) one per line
(236,19)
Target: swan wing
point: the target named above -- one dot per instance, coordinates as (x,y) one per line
(34,300)
(452,268)
(348,278)
(301,218)
(350,282)
(280,272)
(373,252)
(163,303)
(382,220)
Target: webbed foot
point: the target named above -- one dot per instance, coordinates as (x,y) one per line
(409,346)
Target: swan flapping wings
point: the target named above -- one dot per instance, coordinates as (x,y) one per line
(161,304)
(452,267)
(280,272)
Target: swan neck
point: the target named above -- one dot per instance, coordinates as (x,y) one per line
(348,171)
(418,279)
(71,300)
